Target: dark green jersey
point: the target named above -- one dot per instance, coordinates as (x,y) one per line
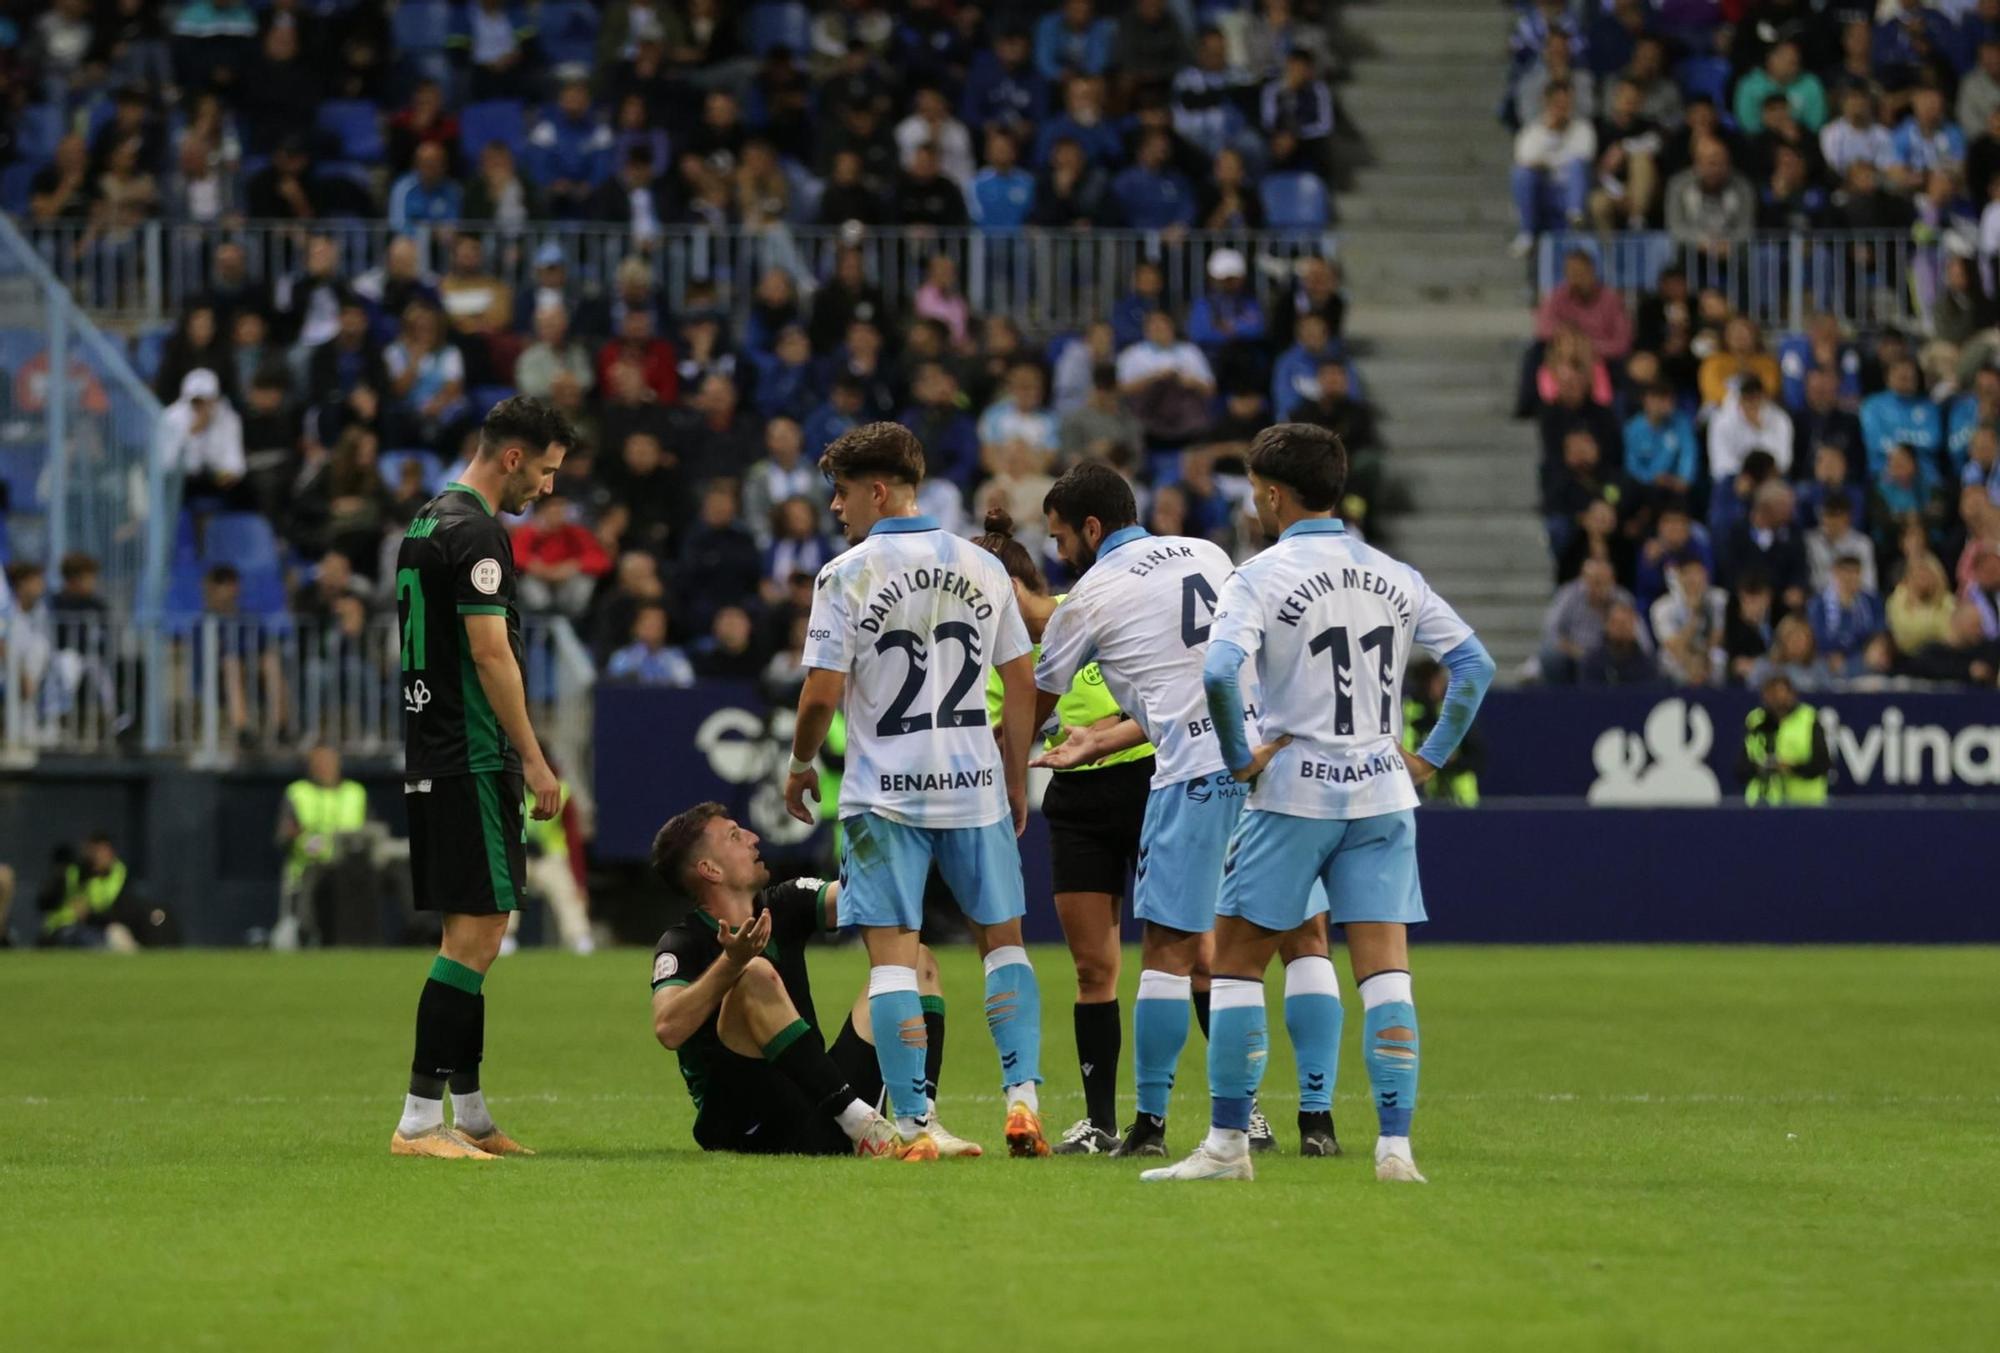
(689,949)
(455,561)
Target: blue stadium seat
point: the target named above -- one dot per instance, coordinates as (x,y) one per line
(41,126)
(1294,201)
(244,539)
(568,32)
(16,180)
(421,26)
(1709,75)
(484,397)
(493,120)
(392,463)
(184,588)
(148,346)
(787,25)
(357,125)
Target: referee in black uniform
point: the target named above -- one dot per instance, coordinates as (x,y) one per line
(470,751)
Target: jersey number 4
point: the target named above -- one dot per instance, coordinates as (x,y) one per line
(1381,639)
(897,719)
(1197,609)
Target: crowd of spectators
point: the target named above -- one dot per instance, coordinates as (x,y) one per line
(688,524)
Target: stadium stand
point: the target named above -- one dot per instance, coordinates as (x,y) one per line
(1765,382)
(717,242)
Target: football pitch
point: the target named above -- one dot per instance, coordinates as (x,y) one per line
(1628,1149)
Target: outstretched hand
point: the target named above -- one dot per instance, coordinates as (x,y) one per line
(743,943)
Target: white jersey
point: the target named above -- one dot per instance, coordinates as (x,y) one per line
(915,618)
(1329,623)
(1142,613)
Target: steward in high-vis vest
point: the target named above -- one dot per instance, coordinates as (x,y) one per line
(317,811)
(1457,780)
(1785,761)
(92,903)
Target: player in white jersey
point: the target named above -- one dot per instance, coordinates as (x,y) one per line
(1329,623)
(1142,610)
(904,628)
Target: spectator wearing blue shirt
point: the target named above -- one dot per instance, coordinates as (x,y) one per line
(1677,537)
(1075,40)
(785,376)
(649,660)
(498,42)
(1295,376)
(1226,315)
(1082,121)
(1982,463)
(1844,617)
(1901,39)
(841,413)
(1660,444)
(1002,195)
(425,195)
(571,148)
(1003,88)
(1151,195)
(1830,481)
(1821,345)
(1926,140)
(1128,313)
(1902,416)
(1297,110)
(942,421)
(1205,111)
(1977,408)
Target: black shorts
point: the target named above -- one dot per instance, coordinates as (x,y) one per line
(468,843)
(1094,821)
(749,1108)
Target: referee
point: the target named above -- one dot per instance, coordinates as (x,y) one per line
(1094,812)
(471,760)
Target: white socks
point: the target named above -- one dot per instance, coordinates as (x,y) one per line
(1024,1093)
(854,1119)
(470,1115)
(1392,1146)
(1226,1143)
(420,1115)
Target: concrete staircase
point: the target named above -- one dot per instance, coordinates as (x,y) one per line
(1438,304)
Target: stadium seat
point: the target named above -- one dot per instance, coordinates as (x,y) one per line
(244,539)
(39,128)
(786,25)
(568,32)
(148,346)
(1709,76)
(1294,201)
(421,26)
(493,120)
(392,463)
(16,180)
(184,588)
(485,397)
(357,125)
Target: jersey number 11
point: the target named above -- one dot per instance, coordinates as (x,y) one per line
(1382,639)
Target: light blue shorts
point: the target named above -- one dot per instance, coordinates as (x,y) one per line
(1368,866)
(1181,849)
(885,865)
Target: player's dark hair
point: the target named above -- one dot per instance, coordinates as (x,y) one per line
(1309,460)
(875,451)
(76,564)
(523,421)
(999,542)
(674,846)
(1092,489)
(223,575)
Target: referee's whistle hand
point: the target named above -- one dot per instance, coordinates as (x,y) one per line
(797,786)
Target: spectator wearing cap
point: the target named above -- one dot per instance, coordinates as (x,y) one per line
(1551,176)
(572,148)
(1001,197)
(1003,89)
(1783,73)
(1082,120)
(1836,538)
(1845,615)
(1152,195)
(1297,114)
(1749,420)
(426,195)
(1226,318)
(1856,136)
(1660,443)
(202,437)
(1902,416)
(1074,40)
(1582,302)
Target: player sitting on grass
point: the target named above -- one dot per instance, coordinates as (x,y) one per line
(1329,624)
(732,999)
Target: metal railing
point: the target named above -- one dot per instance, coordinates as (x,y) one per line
(77,435)
(1046,280)
(209,688)
(1868,280)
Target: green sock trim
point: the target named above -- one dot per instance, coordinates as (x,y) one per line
(933,1005)
(786,1036)
(456,974)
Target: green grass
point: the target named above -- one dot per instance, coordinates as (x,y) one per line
(1628,1149)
